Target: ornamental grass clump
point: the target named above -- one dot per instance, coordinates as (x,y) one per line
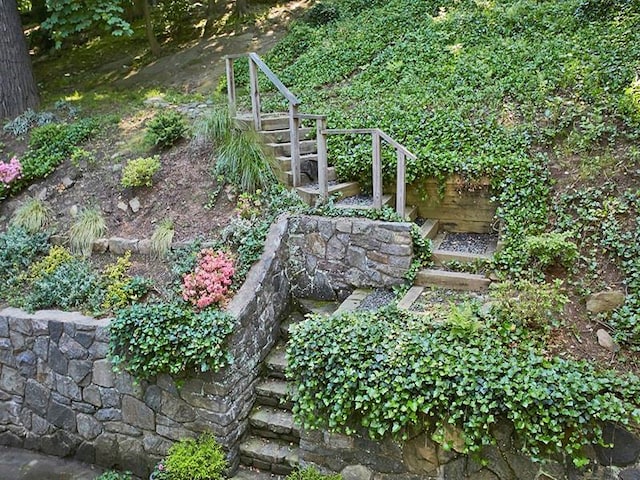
(86,230)
(209,283)
(33,215)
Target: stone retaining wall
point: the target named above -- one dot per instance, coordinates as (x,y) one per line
(59,395)
(330,257)
(419,458)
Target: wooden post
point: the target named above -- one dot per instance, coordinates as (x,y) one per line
(294,124)
(255,94)
(323,167)
(401,187)
(377,170)
(231,86)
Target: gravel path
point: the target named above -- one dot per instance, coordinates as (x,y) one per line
(478,243)
(376,299)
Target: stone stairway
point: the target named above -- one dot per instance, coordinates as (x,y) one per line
(272,443)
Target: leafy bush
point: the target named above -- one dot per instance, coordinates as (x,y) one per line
(549,249)
(18,249)
(140,171)
(33,215)
(150,339)
(209,283)
(311,473)
(321,13)
(195,459)
(117,288)
(165,129)
(26,121)
(68,287)
(10,171)
(89,226)
(441,378)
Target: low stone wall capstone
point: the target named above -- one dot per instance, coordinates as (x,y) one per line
(59,395)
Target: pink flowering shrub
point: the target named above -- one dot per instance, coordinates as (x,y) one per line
(210,281)
(10,171)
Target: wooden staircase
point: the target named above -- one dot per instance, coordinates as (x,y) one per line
(302,156)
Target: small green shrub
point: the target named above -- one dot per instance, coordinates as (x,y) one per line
(140,171)
(196,459)
(89,226)
(68,287)
(549,249)
(243,161)
(18,250)
(117,288)
(32,215)
(150,339)
(165,129)
(311,473)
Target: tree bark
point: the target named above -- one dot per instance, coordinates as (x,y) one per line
(153,42)
(241,7)
(18,90)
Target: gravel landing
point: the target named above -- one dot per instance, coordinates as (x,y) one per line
(358,200)
(376,299)
(478,243)
(316,185)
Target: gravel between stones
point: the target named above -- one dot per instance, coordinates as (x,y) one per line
(358,200)
(468,242)
(376,299)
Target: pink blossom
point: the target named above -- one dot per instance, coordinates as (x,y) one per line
(209,283)
(10,171)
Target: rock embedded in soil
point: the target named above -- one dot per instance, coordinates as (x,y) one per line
(134,203)
(123,206)
(605,301)
(605,341)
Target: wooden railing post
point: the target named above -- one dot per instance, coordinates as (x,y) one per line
(323,167)
(377,170)
(255,94)
(294,127)
(231,86)
(401,187)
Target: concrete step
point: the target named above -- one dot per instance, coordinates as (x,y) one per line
(310,194)
(429,229)
(284,149)
(452,280)
(270,455)
(276,361)
(284,135)
(441,256)
(271,422)
(273,392)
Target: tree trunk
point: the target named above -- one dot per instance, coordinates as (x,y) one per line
(153,42)
(18,90)
(241,7)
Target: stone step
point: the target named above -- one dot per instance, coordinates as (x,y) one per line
(441,256)
(246,473)
(273,392)
(270,121)
(353,301)
(276,361)
(294,317)
(284,135)
(284,149)
(411,296)
(271,422)
(269,455)
(452,280)
(319,307)
(429,229)
(310,194)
